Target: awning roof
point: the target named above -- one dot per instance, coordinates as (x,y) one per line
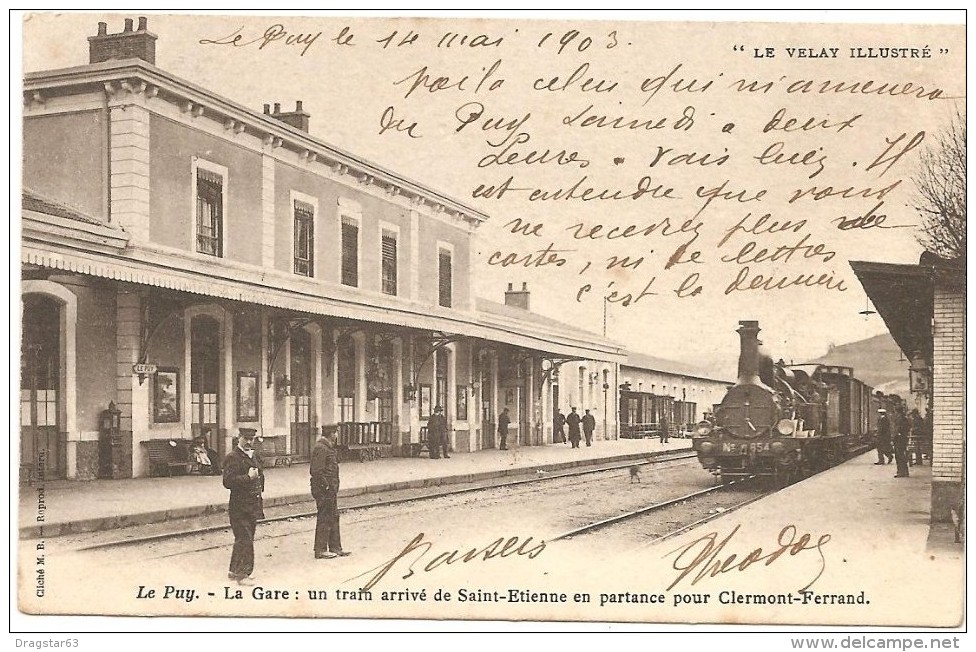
(903,295)
(43,244)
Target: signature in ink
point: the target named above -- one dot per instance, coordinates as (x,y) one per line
(272,34)
(707,557)
(497,549)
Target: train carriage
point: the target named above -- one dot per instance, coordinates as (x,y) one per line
(641,413)
(784,421)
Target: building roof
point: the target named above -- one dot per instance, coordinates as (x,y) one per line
(31,200)
(141,76)
(643,361)
(523,316)
(903,295)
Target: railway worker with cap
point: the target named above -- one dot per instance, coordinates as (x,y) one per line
(503,421)
(884,438)
(324,482)
(899,436)
(665,430)
(589,425)
(573,421)
(437,439)
(244,477)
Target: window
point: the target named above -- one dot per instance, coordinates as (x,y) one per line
(350,251)
(444,278)
(346,378)
(304,238)
(441,398)
(389,262)
(210,213)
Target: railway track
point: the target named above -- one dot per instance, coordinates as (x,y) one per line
(620,518)
(655,507)
(656,461)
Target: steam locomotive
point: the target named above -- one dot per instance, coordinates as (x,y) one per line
(785,421)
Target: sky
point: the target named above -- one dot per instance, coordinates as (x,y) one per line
(464,115)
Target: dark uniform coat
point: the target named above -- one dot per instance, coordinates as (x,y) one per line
(324,482)
(245,491)
(437,434)
(244,509)
(573,421)
(324,469)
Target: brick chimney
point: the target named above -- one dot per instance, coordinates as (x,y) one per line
(517,298)
(297,118)
(127,44)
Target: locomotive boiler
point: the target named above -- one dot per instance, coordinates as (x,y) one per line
(783,421)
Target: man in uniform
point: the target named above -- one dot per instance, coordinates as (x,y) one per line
(503,421)
(324,480)
(899,437)
(244,477)
(437,439)
(884,438)
(665,430)
(589,425)
(573,421)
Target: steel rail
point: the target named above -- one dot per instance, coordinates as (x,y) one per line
(644,510)
(164,536)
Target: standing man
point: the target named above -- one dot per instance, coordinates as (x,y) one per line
(884,438)
(899,428)
(573,421)
(244,477)
(558,427)
(437,439)
(324,480)
(503,421)
(665,429)
(917,438)
(589,425)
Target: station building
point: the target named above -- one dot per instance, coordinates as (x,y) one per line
(924,307)
(191,266)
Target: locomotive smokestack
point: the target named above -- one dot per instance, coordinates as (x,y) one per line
(748,353)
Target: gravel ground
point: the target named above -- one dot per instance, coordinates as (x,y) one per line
(412,541)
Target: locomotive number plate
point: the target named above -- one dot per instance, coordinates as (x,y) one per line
(744,447)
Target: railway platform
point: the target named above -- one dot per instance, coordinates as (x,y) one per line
(72,507)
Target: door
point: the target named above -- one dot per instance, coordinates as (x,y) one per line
(555,409)
(40,389)
(523,436)
(301,390)
(488,425)
(205,381)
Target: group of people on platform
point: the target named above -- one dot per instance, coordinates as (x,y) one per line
(576,423)
(906,438)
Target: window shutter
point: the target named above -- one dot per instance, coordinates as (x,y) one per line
(304,238)
(444,278)
(350,254)
(389,255)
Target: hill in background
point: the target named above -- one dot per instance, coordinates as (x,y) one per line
(877,361)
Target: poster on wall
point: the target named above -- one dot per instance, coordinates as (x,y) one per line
(754,212)
(166,396)
(425,401)
(247,396)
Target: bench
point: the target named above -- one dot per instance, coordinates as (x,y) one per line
(169,455)
(273,452)
(365,441)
